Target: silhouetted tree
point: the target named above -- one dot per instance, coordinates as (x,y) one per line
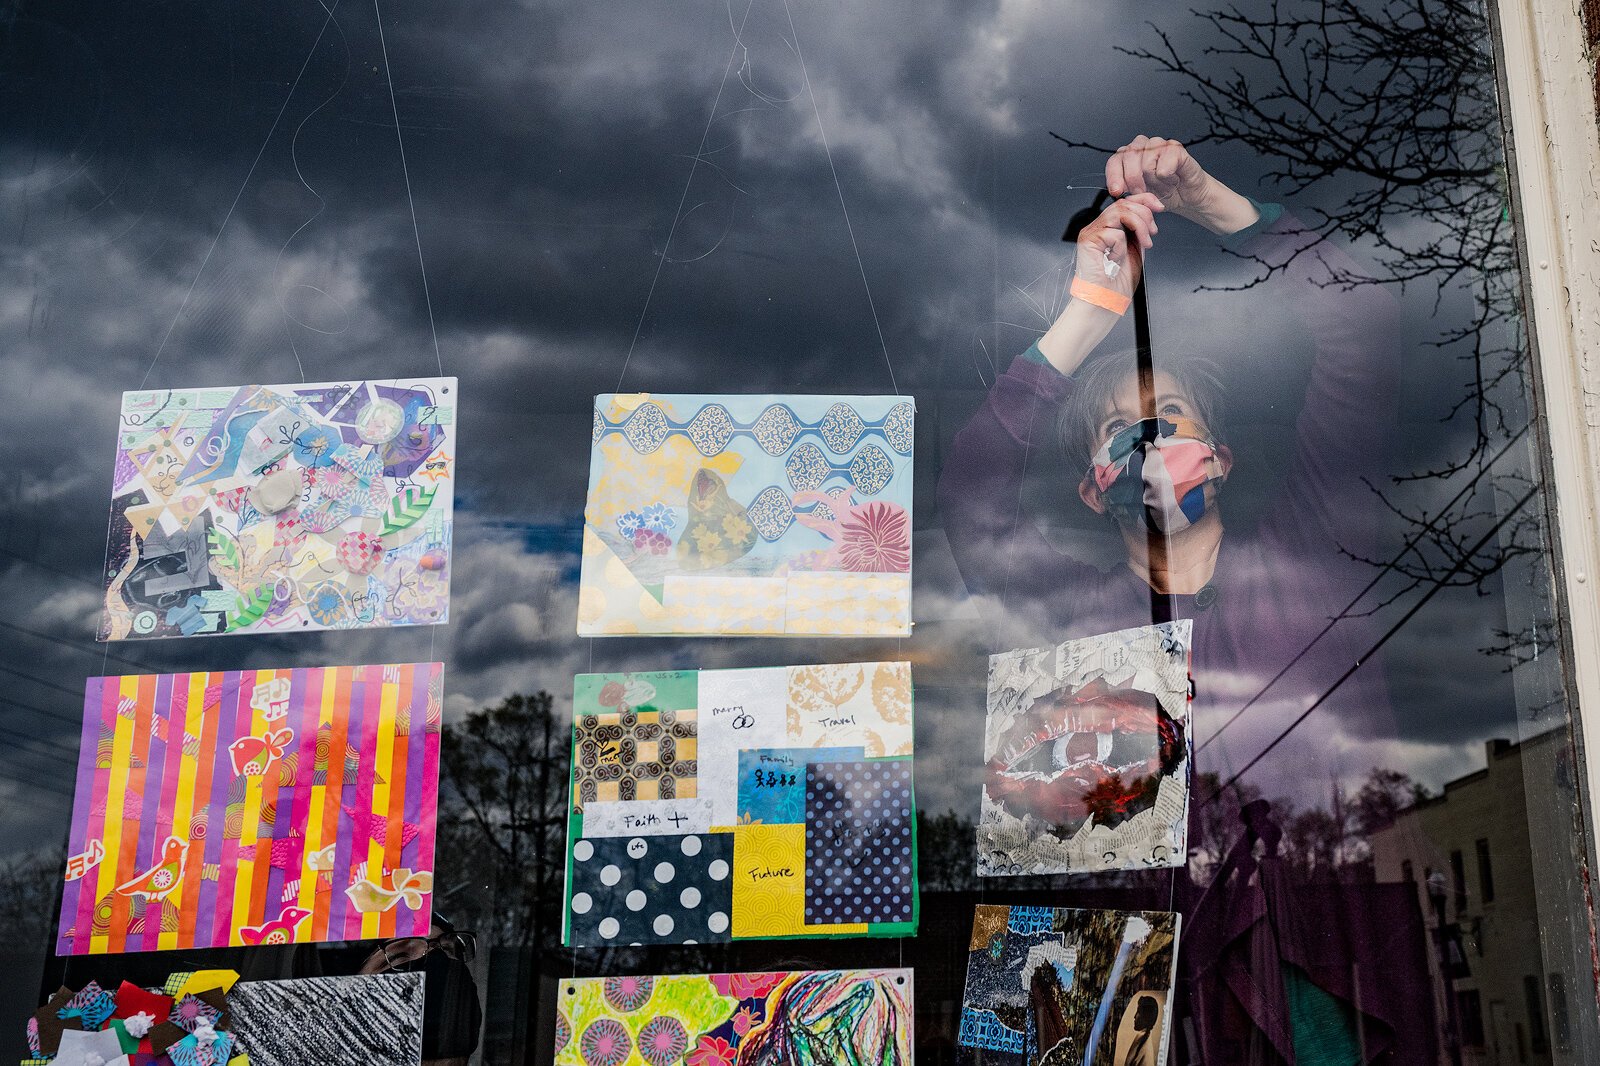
(1381,798)
(946,852)
(1319,843)
(30,897)
(1215,820)
(503,820)
(1399,95)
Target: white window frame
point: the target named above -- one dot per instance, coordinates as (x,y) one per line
(1549,98)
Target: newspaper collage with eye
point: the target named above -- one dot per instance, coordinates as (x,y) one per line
(1086,755)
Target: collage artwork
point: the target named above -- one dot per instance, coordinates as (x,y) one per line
(1086,755)
(748,516)
(720,805)
(256,807)
(372,1019)
(281,508)
(253,807)
(819,1016)
(1048,985)
(211,1018)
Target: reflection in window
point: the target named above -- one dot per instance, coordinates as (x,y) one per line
(1560,1021)
(1469,1012)
(1530,994)
(658,203)
(1485,872)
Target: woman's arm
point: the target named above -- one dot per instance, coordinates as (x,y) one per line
(980,487)
(1164,168)
(1110,259)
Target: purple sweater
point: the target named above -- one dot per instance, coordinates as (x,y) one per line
(1276,585)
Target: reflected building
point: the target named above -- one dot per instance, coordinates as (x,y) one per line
(1467,852)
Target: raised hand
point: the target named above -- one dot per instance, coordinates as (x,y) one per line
(1110,260)
(1104,254)
(1164,167)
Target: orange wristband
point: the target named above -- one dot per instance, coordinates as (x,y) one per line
(1100,296)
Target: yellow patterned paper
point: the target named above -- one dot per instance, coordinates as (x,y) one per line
(838,605)
(850,704)
(769,893)
(750,606)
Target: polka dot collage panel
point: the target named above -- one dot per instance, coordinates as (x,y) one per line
(722,805)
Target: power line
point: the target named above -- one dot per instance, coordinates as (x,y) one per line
(41,681)
(48,782)
(73,719)
(35,784)
(75,645)
(1320,700)
(51,569)
(1381,574)
(23,738)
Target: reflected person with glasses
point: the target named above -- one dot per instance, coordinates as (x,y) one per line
(451,1015)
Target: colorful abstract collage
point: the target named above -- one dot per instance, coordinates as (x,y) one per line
(253,807)
(1052,985)
(1087,755)
(211,1018)
(188,1020)
(719,805)
(817,1017)
(281,508)
(748,516)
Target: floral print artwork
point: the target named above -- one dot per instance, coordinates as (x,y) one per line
(810,1018)
(752,515)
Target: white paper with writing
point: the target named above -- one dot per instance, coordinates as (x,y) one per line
(632,818)
(739,709)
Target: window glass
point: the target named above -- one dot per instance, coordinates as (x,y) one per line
(1485,872)
(1530,990)
(1309,433)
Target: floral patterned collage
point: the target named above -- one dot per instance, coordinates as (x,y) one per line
(748,515)
(281,509)
(810,1017)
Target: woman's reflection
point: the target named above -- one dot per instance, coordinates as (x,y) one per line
(1147,446)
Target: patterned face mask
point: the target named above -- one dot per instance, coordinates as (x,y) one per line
(1154,473)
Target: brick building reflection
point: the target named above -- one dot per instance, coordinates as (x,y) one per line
(1468,853)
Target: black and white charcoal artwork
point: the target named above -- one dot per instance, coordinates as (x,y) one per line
(371,1020)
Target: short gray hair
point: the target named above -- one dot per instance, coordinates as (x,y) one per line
(1096,383)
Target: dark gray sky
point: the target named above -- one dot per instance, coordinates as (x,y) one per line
(691,197)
